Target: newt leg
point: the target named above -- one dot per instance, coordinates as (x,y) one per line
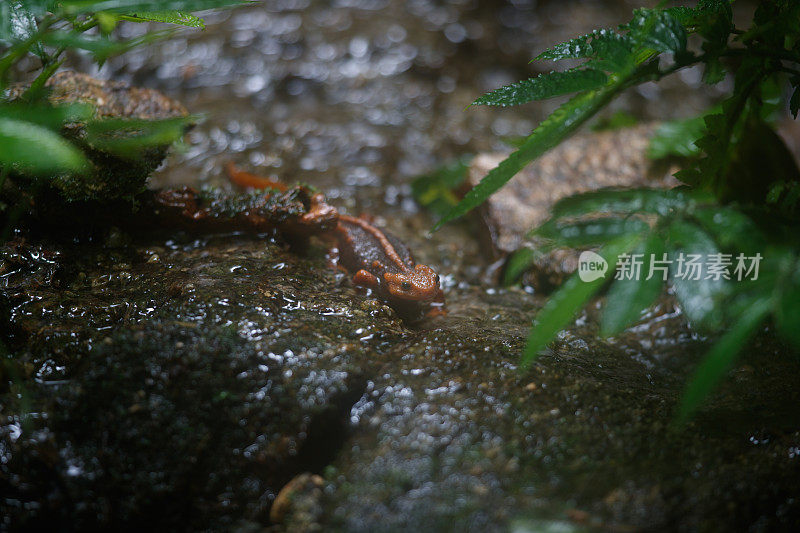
(365,279)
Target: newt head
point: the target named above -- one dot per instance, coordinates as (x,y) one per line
(418,285)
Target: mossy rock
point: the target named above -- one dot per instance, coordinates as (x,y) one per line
(111,176)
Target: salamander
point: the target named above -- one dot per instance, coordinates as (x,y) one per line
(377,260)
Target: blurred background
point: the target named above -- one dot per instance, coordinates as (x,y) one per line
(359,96)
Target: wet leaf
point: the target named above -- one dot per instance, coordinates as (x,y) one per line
(518,263)
(130,138)
(544,86)
(550,132)
(629,201)
(583,233)
(699,297)
(53,118)
(23,144)
(102,47)
(787,314)
(133,6)
(171,17)
(676,138)
(722,356)
(657,29)
(730,228)
(627,298)
(437,191)
(561,308)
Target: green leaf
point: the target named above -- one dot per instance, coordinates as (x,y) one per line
(73,7)
(576,48)
(591,232)
(37,91)
(130,138)
(628,201)
(23,144)
(19,24)
(102,47)
(787,314)
(627,298)
(170,17)
(437,191)
(616,121)
(106,21)
(677,138)
(518,263)
(550,132)
(658,30)
(730,228)
(722,356)
(53,118)
(699,297)
(714,71)
(571,297)
(612,52)
(544,86)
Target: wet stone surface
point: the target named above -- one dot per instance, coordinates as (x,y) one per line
(178,382)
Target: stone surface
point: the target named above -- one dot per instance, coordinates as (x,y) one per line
(585,162)
(181,383)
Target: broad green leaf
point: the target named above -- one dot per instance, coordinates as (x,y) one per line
(730,228)
(699,297)
(628,201)
(684,15)
(170,17)
(53,118)
(549,133)
(102,47)
(591,232)
(576,48)
(437,191)
(676,138)
(714,71)
(657,29)
(612,52)
(616,121)
(787,314)
(19,24)
(24,144)
(722,356)
(627,298)
(544,86)
(129,138)
(561,308)
(518,263)
(135,6)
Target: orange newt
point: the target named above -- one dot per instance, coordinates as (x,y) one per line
(377,260)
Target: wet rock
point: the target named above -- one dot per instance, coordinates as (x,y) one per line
(456,437)
(111,176)
(181,392)
(585,162)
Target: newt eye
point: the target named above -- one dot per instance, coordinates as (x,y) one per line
(406,286)
(437,279)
